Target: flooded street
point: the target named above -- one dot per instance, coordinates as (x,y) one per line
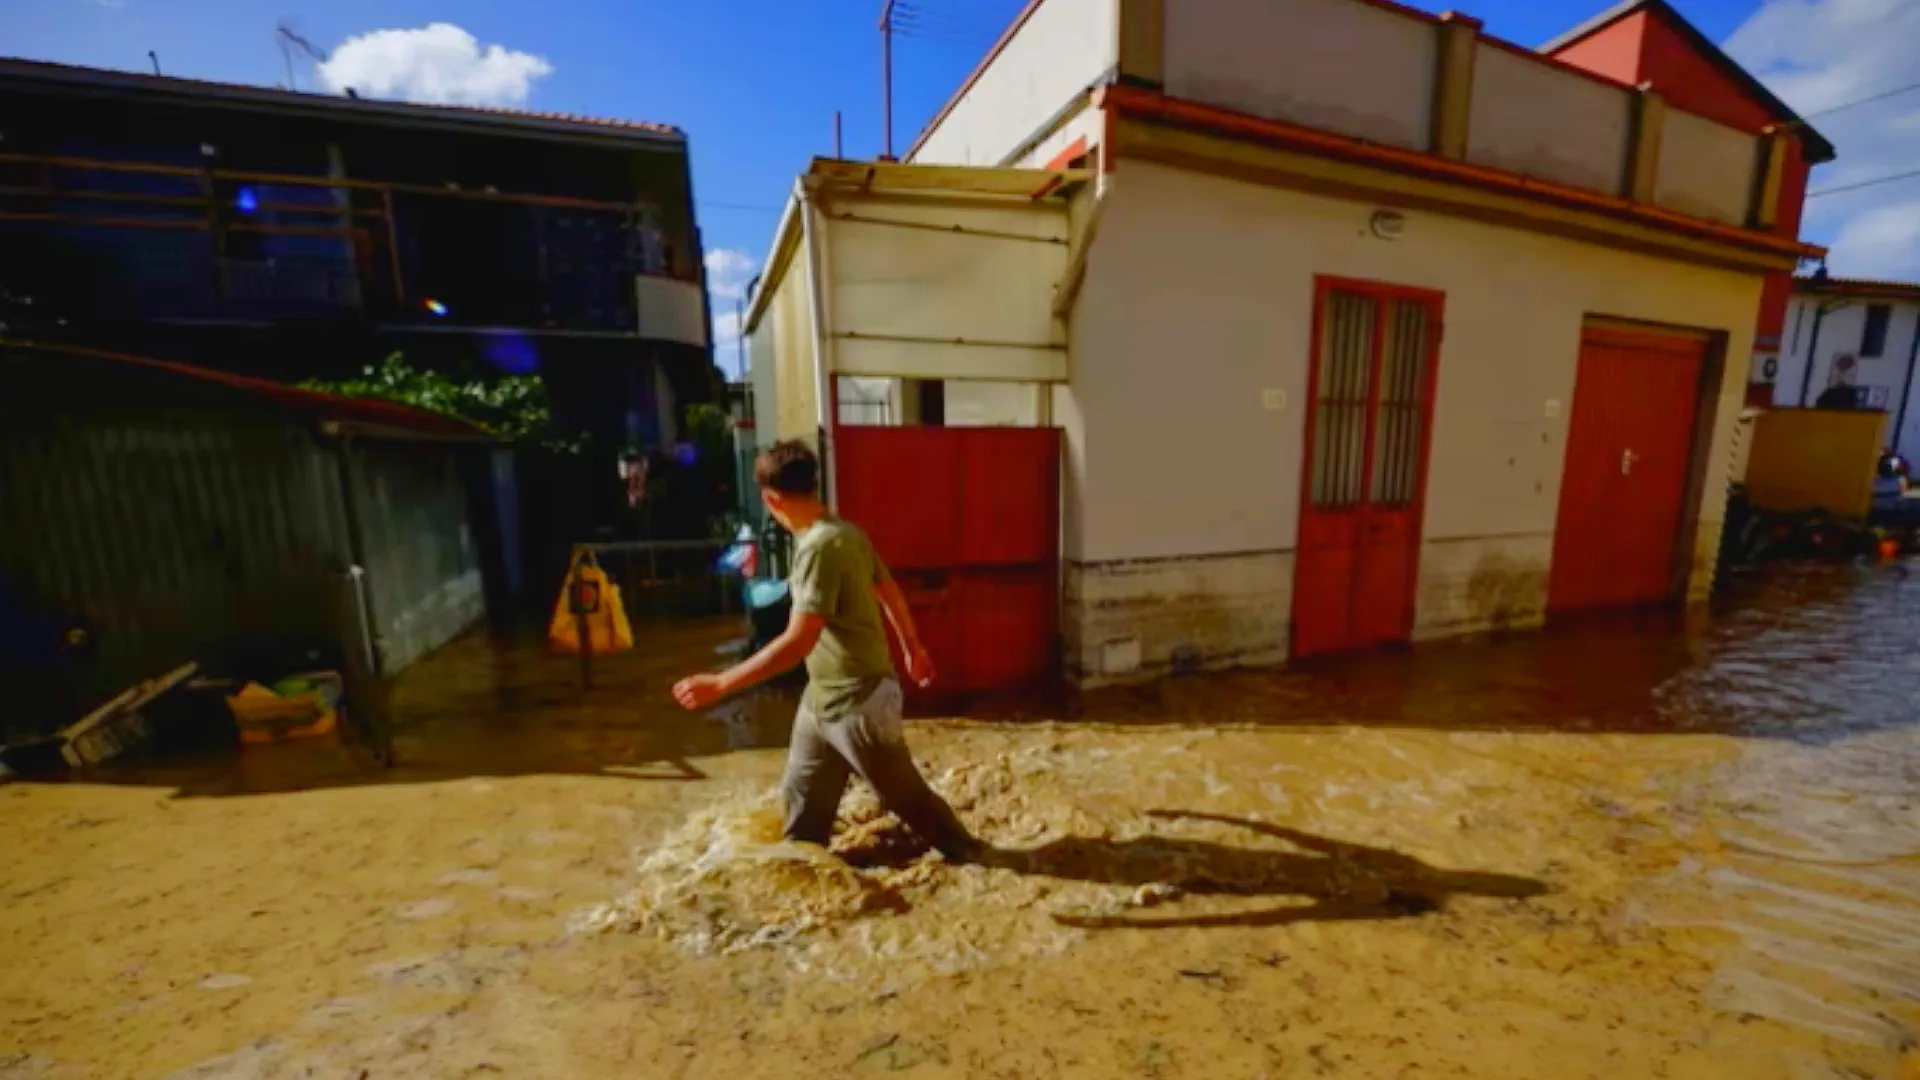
(1623,850)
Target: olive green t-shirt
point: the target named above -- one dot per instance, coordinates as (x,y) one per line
(835,570)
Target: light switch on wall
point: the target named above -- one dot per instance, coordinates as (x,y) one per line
(1553,408)
(1273,400)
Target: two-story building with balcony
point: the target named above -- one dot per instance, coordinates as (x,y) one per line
(294,235)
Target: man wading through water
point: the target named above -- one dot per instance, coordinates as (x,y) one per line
(849,718)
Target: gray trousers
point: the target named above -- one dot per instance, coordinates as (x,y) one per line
(868,741)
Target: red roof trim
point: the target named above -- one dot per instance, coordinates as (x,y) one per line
(367,411)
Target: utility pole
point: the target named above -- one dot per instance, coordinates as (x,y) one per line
(837,153)
(886,79)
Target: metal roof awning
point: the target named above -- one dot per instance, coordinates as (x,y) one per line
(981,185)
(887,177)
(334,414)
(67,78)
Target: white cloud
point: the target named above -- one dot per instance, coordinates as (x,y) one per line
(1883,242)
(726,343)
(437,64)
(728,274)
(1819,54)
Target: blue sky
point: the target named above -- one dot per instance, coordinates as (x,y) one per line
(755,82)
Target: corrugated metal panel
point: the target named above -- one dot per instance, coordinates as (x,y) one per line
(169,514)
(423,567)
(168,531)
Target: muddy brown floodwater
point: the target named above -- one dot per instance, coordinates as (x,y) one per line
(1625,850)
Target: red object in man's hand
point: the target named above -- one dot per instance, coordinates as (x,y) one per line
(920,667)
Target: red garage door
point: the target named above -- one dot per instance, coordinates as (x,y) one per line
(1628,471)
(968,521)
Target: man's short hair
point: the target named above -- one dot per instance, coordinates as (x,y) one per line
(788,468)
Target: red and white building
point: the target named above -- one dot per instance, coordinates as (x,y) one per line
(1351,326)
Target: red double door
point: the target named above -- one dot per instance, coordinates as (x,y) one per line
(1370,397)
(1629,469)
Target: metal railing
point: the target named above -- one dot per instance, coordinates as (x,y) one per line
(211,232)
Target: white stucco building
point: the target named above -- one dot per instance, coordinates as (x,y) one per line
(1858,342)
(1360,326)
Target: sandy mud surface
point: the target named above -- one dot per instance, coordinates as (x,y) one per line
(1624,851)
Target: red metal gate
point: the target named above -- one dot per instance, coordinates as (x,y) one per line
(1370,396)
(1629,462)
(968,521)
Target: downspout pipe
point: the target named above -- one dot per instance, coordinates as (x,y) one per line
(1813,350)
(1820,310)
(1906,388)
(814,240)
(369,654)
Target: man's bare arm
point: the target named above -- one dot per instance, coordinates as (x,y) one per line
(779,655)
(894,603)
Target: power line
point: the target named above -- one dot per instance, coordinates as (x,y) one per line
(1864,101)
(710,205)
(947,17)
(1864,184)
(976,44)
(935,17)
(910,22)
(911,25)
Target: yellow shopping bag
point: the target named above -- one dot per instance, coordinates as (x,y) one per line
(588,595)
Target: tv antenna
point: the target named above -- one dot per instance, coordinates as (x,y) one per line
(290,41)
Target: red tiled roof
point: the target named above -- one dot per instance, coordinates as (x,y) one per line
(366,412)
(550,117)
(301,97)
(1863,286)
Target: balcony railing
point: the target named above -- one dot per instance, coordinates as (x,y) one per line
(133,241)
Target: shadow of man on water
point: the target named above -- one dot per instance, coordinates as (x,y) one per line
(1343,880)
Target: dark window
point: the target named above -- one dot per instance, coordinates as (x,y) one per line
(933,402)
(1398,418)
(1873,341)
(1347,325)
